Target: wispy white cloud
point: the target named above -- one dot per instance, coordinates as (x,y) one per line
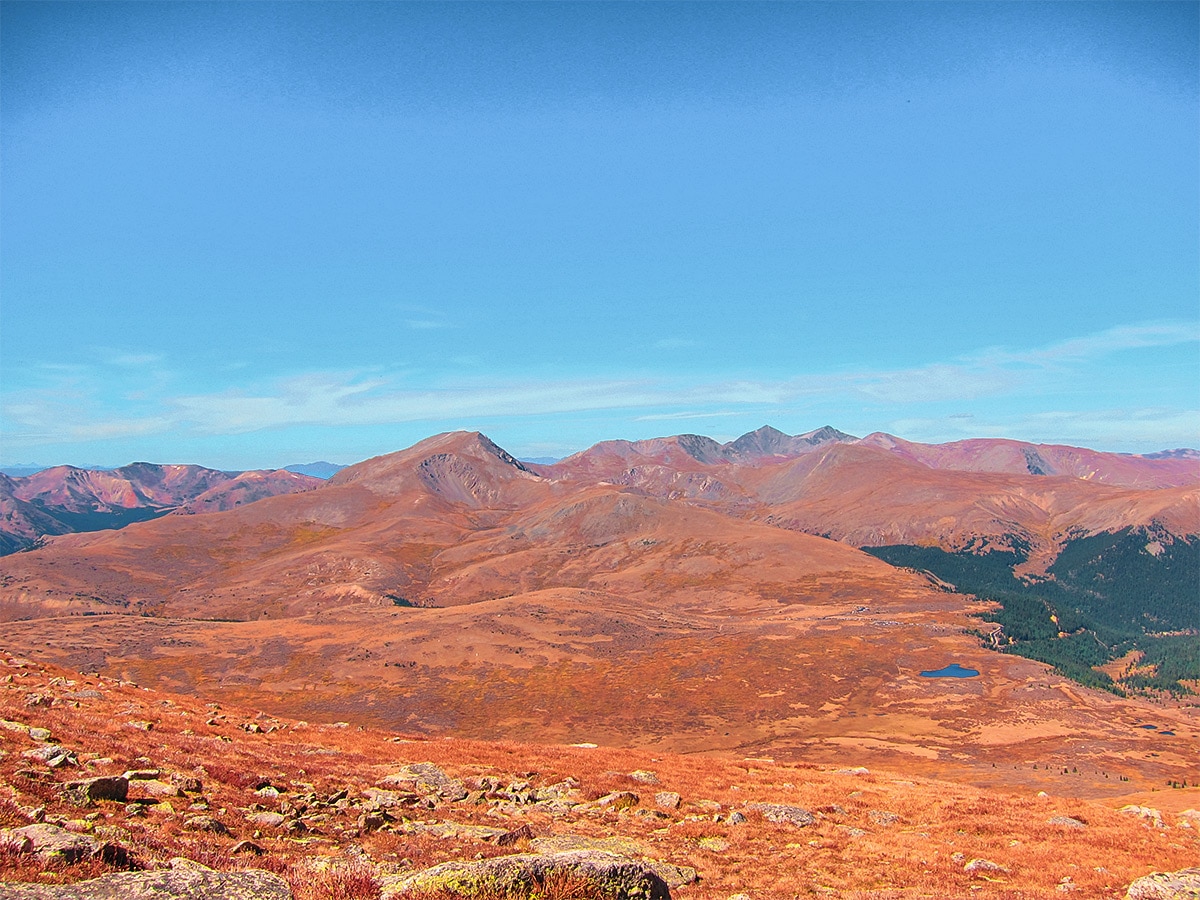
(1122,428)
(68,407)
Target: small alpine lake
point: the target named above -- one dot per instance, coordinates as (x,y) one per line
(954,670)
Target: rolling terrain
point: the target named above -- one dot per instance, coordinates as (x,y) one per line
(342,813)
(676,594)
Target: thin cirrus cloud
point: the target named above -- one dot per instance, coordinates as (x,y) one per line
(349,399)
(1093,428)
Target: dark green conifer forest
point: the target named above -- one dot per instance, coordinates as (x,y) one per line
(1108,594)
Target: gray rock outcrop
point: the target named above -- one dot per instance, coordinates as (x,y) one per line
(616,877)
(176,884)
(783,814)
(1181,885)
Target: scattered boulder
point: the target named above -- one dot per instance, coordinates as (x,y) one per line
(265,819)
(184,883)
(1181,885)
(524,875)
(619,800)
(558,791)
(643,776)
(428,779)
(448,830)
(1147,813)
(524,833)
(246,847)
(205,823)
(667,800)
(675,876)
(984,867)
(187,783)
(388,799)
(1066,822)
(783,814)
(53,755)
(50,842)
(149,790)
(87,791)
(614,844)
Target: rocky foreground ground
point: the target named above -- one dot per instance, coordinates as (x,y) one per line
(109,790)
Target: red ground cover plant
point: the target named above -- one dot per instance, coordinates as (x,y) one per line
(877,835)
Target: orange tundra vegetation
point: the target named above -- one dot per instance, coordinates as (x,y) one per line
(301,796)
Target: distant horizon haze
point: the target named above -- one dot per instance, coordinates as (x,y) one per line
(329,468)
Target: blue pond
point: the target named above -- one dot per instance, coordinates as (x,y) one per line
(954,670)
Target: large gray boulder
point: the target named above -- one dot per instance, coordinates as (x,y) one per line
(1181,885)
(87,791)
(525,875)
(167,884)
(426,778)
(52,843)
(783,814)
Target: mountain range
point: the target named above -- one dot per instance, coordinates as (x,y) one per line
(677,593)
(65,499)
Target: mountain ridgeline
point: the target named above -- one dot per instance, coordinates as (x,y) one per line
(1091,556)
(65,499)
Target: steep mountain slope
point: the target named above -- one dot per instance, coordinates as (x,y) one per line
(64,499)
(21,522)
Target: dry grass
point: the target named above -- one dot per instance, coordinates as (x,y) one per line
(851,851)
(352,880)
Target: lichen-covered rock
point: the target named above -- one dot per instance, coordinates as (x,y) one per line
(87,791)
(619,800)
(149,790)
(984,867)
(783,814)
(1146,813)
(523,875)
(266,819)
(1181,885)
(177,884)
(1067,822)
(667,800)
(53,755)
(204,823)
(429,779)
(51,842)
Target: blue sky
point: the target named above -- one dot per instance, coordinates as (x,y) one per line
(250,234)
